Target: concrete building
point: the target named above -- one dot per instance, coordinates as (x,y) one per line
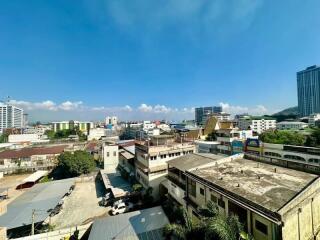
(206,146)
(203,113)
(26,138)
(295,157)
(308,85)
(112,120)
(39,129)
(110,153)
(97,134)
(272,203)
(313,119)
(286,125)
(30,158)
(152,156)
(10,117)
(227,134)
(83,126)
(257,124)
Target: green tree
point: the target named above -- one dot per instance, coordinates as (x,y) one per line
(314,139)
(211,225)
(4,138)
(283,137)
(80,162)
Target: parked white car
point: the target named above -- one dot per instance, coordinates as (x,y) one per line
(121,207)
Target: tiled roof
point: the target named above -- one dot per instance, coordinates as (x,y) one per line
(28,152)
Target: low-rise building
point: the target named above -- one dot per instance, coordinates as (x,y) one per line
(313,119)
(257,124)
(30,157)
(110,153)
(286,125)
(296,157)
(271,202)
(97,134)
(26,138)
(152,156)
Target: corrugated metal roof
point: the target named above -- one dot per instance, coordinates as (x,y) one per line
(35,176)
(28,152)
(144,224)
(42,197)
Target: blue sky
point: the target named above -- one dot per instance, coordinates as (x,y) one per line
(154,59)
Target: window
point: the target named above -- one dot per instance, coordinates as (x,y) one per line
(261,227)
(192,188)
(213,198)
(221,203)
(202,191)
(153,158)
(108,154)
(114,153)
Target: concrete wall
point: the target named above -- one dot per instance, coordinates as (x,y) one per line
(110,157)
(302,216)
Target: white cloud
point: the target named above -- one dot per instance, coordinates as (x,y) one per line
(67,106)
(145,108)
(255,110)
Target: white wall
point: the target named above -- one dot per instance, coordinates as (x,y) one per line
(16,138)
(110,157)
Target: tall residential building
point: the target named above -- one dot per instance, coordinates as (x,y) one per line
(308,82)
(203,113)
(10,117)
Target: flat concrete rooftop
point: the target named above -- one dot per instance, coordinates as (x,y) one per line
(257,182)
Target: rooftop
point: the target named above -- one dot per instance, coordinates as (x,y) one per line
(191,161)
(28,152)
(42,197)
(256,182)
(116,183)
(144,224)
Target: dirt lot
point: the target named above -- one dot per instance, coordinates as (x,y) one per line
(10,183)
(82,206)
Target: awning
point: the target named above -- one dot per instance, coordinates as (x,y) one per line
(141,166)
(35,176)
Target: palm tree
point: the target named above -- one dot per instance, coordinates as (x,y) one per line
(189,229)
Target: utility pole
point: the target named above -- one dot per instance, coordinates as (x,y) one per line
(32,224)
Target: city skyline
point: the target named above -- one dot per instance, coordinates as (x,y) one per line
(62,60)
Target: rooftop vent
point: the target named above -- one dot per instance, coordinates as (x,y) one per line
(275,170)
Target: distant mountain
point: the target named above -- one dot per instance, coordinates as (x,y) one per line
(288,112)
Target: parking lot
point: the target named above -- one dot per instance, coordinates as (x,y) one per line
(81,206)
(10,183)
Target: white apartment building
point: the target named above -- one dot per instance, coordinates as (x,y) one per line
(313,118)
(258,125)
(222,116)
(10,117)
(291,125)
(111,120)
(152,156)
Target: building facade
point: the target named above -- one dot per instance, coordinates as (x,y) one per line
(10,117)
(258,125)
(308,84)
(112,120)
(203,113)
(291,125)
(151,159)
(64,125)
